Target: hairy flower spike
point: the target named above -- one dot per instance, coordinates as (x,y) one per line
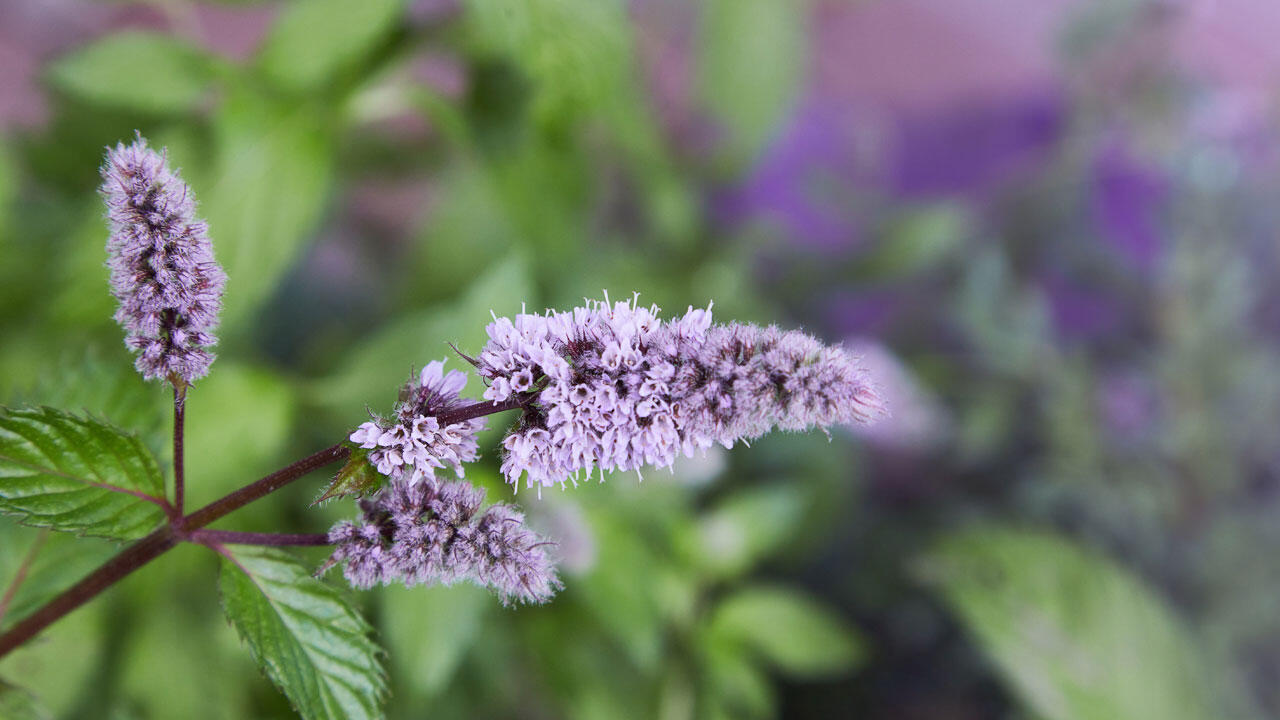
(162,267)
(414,445)
(429,532)
(614,388)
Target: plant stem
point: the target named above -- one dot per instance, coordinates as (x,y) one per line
(263,487)
(179,419)
(212,537)
(188,528)
(132,558)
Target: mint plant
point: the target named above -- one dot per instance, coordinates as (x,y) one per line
(606,386)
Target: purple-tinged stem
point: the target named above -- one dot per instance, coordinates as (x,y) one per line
(115,569)
(179,420)
(218,537)
(187,528)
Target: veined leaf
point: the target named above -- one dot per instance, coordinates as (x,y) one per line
(77,474)
(358,478)
(304,635)
(788,629)
(1075,636)
(137,71)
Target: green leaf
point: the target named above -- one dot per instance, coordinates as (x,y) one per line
(314,40)
(1075,636)
(788,629)
(304,635)
(748,526)
(357,478)
(18,704)
(77,474)
(136,71)
(753,55)
(273,175)
(378,366)
(36,565)
(103,384)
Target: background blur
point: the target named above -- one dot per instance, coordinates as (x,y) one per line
(1051,227)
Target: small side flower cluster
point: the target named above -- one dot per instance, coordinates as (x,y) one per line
(614,388)
(429,532)
(416,445)
(162,267)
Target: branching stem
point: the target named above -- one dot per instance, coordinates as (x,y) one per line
(189,528)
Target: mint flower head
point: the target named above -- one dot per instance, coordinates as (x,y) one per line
(162,267)
(414,445)
(431,532)
(612,387)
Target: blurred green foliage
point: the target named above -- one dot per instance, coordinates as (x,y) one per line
(732,587)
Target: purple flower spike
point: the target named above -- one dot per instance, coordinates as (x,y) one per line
(614,388)
(162,267)
(415,445)
(429,532)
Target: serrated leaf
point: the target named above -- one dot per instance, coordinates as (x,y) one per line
(753,54)
(1075,636)
(788,629)
(314,40)
(77,474)
(304,635)
(272,176)
(18,704)
(36,565)
(137,71)
(358,477)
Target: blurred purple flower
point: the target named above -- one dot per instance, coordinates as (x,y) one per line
(974,149)
(1128,198)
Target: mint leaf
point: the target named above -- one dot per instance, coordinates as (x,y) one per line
(314,40)
(788,629)
(304,635)
(177,75)
(77,474)
(1074,635)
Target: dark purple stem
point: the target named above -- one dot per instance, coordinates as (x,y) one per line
(218,537)
(188,528)
(179,419)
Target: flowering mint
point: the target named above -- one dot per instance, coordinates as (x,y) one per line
(415,445)
(162,267)
(612,387)
(429,532)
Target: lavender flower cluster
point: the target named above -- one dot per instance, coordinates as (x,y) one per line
(429,532)
(162,267)
(614,388)
(415,444)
